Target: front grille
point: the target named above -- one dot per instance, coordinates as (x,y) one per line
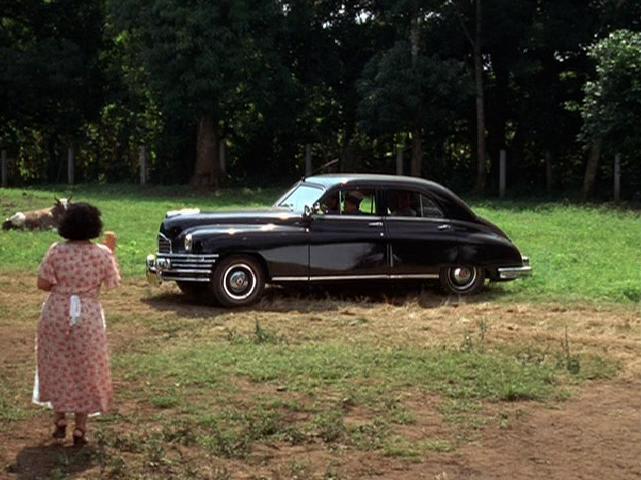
(188,267)
(164,245)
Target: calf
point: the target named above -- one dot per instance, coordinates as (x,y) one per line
(42,219)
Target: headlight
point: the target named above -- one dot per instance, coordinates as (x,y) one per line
(188,242)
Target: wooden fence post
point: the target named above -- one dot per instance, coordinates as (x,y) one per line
(70,165)
(221,156)
(502,166)
(399,160)
(142,158)
(308,159)
(617,177)
(5,180)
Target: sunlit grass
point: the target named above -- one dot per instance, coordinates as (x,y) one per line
(579,253)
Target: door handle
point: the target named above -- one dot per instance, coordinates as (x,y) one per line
(375,224)
(445,227)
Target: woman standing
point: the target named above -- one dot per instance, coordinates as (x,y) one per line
(73,372)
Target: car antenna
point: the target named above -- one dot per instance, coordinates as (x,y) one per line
(321,168)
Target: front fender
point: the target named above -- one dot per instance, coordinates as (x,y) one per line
(284,249)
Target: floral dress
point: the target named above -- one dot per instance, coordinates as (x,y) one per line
(73,372)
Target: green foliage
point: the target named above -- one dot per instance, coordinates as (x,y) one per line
(612,104)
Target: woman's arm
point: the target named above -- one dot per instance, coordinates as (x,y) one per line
(44,284)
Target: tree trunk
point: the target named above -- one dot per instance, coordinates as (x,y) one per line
(417,154)
(549,178)
(591,168)
(206,169)
(481,172)
(417,141)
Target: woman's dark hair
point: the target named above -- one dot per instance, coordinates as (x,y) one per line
(81,221)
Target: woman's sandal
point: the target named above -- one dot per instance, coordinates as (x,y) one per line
(61,429)
(79,438)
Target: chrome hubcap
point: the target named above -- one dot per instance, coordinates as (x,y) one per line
(462,275)
(462,278)
(238,281)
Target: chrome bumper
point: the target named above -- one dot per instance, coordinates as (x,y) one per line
(510,273)
(182,267)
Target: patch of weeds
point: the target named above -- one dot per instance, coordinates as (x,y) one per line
(263,424)
(155,451)
(9,412)
(397,446)
(228,443)
(475,342)
(594,367)
(293,435)
(262,335)
(165,401)
(370,436)
(399,414)
(299,470)
(179,432)
(570,362)
(221,473)
(440,446)
(330,426)
(461,412)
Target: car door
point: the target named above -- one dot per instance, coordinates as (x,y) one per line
(348,241)
(421,239)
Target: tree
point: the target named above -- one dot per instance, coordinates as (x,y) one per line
(415,96)
(201,58)
(611,109)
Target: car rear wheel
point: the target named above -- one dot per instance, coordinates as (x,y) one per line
(462,280)
(238,281)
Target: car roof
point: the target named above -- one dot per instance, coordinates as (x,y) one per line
(330,180)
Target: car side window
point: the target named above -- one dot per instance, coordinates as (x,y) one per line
(429,208)
(403,203)
(407,203)
(357,202)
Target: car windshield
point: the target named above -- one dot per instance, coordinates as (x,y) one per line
(299,196)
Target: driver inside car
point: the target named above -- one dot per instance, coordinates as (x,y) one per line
(352,203)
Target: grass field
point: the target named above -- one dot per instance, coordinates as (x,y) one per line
(579,253)
(317,385)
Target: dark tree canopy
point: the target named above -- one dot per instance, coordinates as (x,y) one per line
(245,91)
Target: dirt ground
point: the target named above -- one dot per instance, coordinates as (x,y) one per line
(596,434)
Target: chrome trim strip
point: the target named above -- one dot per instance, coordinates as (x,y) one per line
(189,256)
(509,273)
(355,277)
(186,279)
(415,275)
(186,270)
(348,277)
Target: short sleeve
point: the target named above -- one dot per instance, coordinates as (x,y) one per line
(46,270)
(111,276)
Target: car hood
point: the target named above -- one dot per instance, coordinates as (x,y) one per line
(174,225)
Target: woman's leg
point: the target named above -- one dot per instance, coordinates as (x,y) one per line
(60,421)
(80,428)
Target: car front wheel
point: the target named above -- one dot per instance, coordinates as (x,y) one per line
(462,280)
(238,281)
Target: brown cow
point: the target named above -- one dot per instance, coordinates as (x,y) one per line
(42,219)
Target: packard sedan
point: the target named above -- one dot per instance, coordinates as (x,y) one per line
(333,228)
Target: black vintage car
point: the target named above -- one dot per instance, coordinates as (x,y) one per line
(339,227)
